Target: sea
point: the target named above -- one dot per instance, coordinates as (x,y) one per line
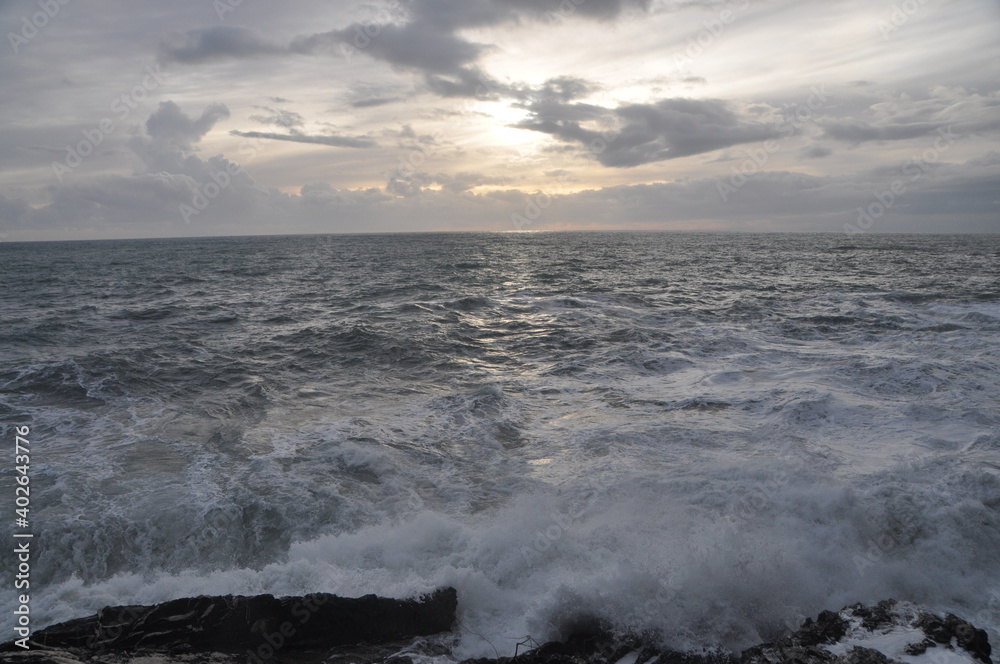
(702,438)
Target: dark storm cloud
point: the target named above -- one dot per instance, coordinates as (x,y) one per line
(215,43)
(333,141)
(637,134)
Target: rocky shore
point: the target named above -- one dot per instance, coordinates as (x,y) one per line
(373,630)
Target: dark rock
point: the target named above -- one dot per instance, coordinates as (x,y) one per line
(942,630)
(785,652)
(674,657)
(915,649)
(859,655)
(589,643)
(934,628)
(370,630)
(974,640)
(256,626)
(828,627)
(803,646)
(49,657)
(876,617)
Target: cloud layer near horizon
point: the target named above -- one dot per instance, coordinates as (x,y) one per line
(499,115)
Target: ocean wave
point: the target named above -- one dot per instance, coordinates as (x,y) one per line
(707,435)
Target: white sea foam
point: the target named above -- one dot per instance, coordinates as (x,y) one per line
(643,551)
(893,639)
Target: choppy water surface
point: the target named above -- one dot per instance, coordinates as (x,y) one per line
(712,435)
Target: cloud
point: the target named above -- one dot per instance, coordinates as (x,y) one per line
(170,124)
(856,131)
(370,94)
(637,134)
(279,117)
(215,43)
(451,161)
(460,14)
(323,196)
(418,183)
(333,141)
(172,135)
(13,213)
(414,45)
(173,176)
(425,38)
(900,116)
(816,152)
(963,195)
(422,34)
(469,83)
(562,89)
(371,102)
(429,42)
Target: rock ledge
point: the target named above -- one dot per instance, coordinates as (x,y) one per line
(372,630)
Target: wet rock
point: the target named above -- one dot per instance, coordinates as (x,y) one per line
(875,617)
(942,630)
(786,653)
(859,655)
(594,645)
(326,629)
(802,646)
(828,627)
(915,649)
(840,638)
(257,627)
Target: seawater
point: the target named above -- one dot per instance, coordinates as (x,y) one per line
(705,436)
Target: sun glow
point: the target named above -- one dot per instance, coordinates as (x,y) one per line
(501,118)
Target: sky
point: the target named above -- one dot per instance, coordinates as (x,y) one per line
(237,117)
